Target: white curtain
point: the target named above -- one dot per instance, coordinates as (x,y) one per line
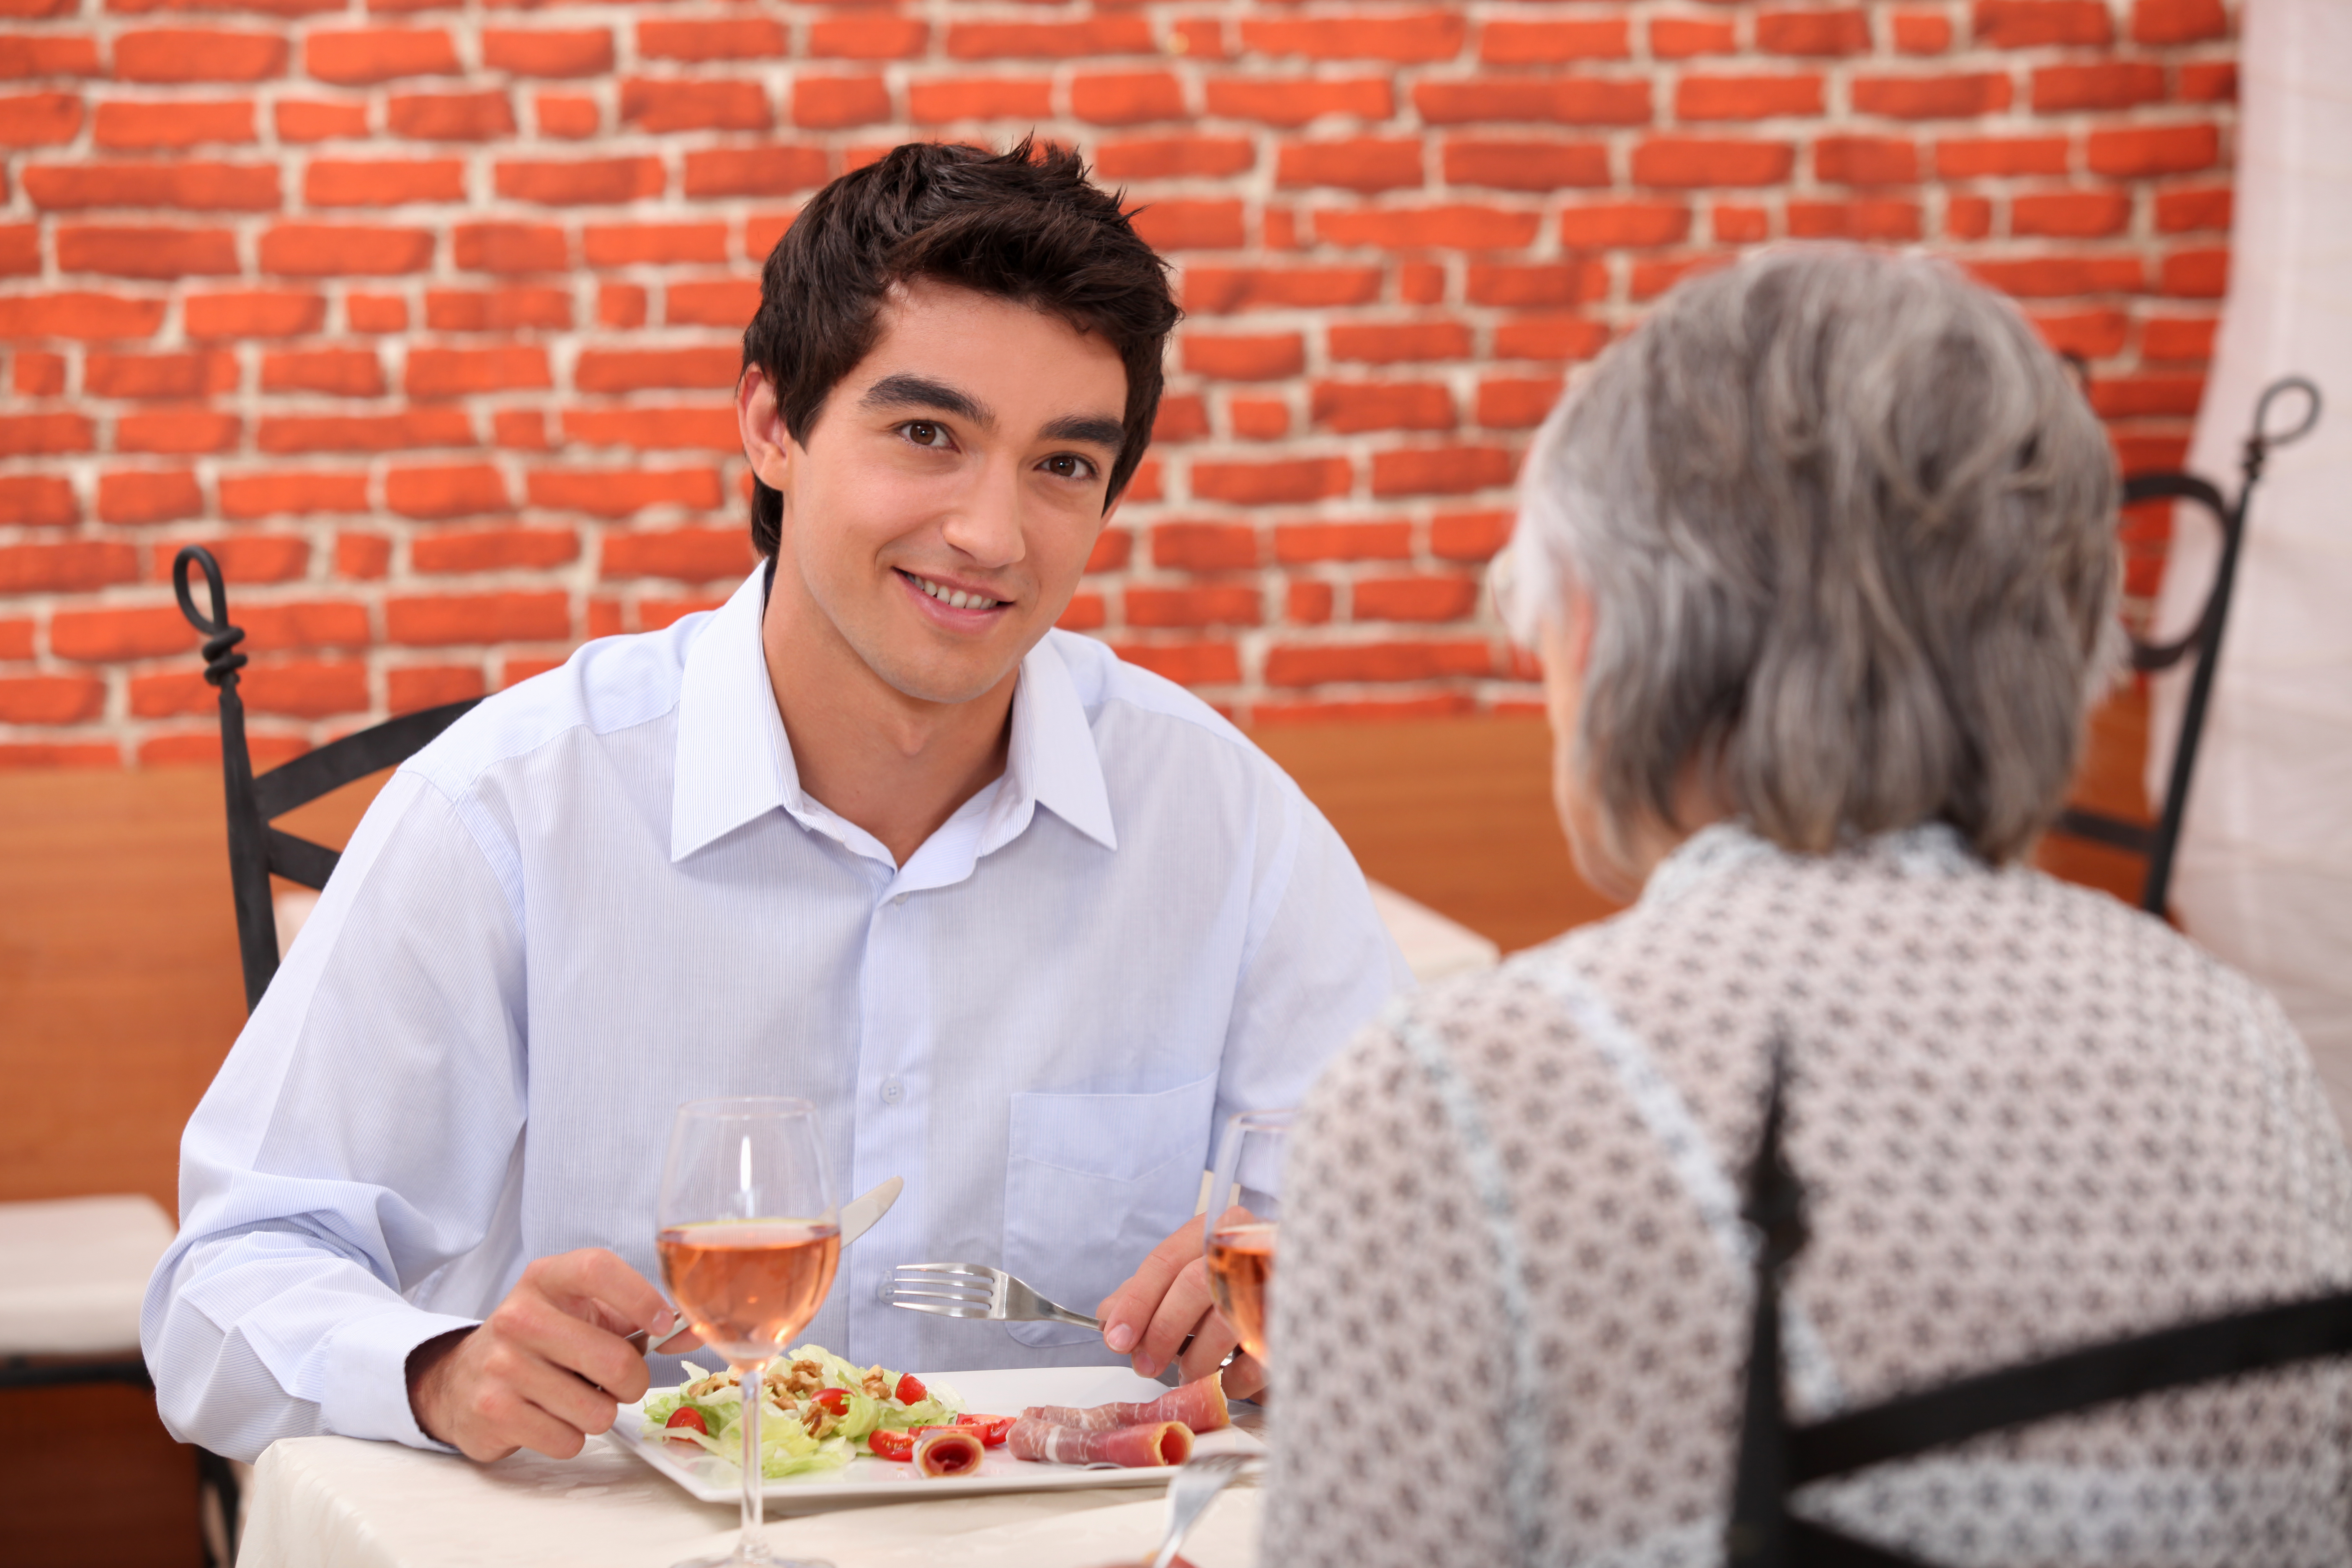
(2266,872)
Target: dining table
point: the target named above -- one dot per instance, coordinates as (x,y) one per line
(342,1502)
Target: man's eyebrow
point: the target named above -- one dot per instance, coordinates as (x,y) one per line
(921,392)
(1092,428)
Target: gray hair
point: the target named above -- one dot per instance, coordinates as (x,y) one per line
(1848,531)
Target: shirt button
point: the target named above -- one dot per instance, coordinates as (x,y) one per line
(882,1291)
(899,899)
(893,1092)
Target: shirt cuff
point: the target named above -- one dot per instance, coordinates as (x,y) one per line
(366,1386)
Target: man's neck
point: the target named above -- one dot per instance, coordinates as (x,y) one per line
(895,765)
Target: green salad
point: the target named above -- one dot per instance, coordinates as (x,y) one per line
(819,1412)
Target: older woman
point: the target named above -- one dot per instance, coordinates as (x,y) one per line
(1821,564)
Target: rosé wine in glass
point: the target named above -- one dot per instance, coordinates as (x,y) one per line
(749,1286)
(1243,1221)
(1241,1278)
(749,1238)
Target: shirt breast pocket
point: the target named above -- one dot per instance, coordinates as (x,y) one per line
(1092,1183)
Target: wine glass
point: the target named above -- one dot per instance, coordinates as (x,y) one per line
(1238,1234)
(750,1239)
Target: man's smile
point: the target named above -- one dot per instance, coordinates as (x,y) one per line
(948,595)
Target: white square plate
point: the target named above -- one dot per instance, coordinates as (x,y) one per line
(866,1478)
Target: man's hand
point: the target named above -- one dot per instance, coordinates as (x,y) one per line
(1168,1298)
(548,1367)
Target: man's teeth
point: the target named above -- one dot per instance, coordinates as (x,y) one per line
(955,598)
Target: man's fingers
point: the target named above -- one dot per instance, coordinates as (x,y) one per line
(512,1376)
(548,1366)
(580,1409)
(681,1339)
(510,1420)
(1245,1379)
(1212,1342)
(1128,1312)
(480,1406)
(592,1276)
(532,1322)
(1186,1308)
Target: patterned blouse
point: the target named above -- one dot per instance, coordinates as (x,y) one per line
(2027,1119)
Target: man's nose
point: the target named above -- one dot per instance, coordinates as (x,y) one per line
(987,525)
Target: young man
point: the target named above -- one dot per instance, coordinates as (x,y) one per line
(1025,922)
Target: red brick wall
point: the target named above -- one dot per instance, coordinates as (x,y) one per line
(425,315)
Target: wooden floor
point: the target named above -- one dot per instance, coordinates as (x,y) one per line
(120,994)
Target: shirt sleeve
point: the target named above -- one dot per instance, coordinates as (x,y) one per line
(1317,965)
(358,1153)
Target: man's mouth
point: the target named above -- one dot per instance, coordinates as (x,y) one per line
(955,598)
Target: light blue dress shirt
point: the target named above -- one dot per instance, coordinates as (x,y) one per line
(603,892)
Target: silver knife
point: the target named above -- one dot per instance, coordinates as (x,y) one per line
(858,1215)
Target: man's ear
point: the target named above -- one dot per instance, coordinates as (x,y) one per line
(765,445)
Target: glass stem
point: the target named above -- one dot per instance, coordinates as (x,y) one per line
(753,1546)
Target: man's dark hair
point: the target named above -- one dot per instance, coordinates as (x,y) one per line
(1024,226)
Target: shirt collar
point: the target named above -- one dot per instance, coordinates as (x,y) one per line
(1052,759)
(1926,849)
(734,764)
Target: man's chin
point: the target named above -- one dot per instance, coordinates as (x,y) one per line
(944,685)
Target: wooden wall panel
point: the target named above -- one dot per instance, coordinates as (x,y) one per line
(1456,812)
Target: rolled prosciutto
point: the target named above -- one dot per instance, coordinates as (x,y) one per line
(1200,1405)
(1129,1447)
(948,1451)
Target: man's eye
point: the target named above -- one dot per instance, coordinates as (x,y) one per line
(1069,466)
(923,433)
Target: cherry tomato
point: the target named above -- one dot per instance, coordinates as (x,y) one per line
(991,1430)
(687,1415)
(834,1399)
(888,1445)
(910,1389)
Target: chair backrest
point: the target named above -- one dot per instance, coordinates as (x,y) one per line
(1777,1455)
(257,849)
(2158,841)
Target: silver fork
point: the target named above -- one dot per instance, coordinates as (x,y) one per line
(976,1291)
(1189,1494)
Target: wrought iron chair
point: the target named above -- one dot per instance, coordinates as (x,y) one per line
(1777,1455)
(2159,840)
(257,850)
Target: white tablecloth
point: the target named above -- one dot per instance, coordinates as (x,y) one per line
(338,1503)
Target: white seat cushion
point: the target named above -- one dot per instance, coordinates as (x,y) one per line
(72,1272)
